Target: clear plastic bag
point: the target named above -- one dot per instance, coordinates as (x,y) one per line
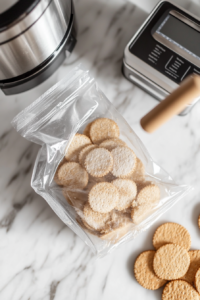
(52,121)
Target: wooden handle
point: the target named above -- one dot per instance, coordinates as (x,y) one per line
(173,104)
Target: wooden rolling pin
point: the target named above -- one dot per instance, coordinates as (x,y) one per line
(175,103)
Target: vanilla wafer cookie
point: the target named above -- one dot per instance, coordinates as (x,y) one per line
(87,130)
(78,142)
(127,192)
(116,220)
(117,234)
(194,266)
(71,174)
(179,290)
(94,219)
(111,144)
(87,227)
(124,162)
(77,197)
(139,174)
(103,197)
(65,194)
(140,186)
(197,281)
(171,262)
(102,129)
(139,213)
(98,162)
(84,152)
(56,174)
(144,273)
(148,195)
(174,233)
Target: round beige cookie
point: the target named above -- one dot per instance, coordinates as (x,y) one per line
(102,129)
(94,219)
(150,194)
(139,213)
(56,174)
(65,194)
(99,162)
(87,130)
(103,197)
(72,175)
(171,262)
(111,144)
(85,226)
(139,174)
(78,198)
(179,290)
(124,162)
(84,152)
(78,142)
(144,273)
(117,234)
(194,266)
(169,233)
(197,281)
(117,220)
(140,186)
(127,192)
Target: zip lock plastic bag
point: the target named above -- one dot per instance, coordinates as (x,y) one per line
(92,169)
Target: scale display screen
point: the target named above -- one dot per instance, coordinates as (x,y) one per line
(164,51)
(180,34)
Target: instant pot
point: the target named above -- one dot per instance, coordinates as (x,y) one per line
(35,38)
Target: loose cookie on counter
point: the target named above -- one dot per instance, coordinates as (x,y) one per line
(144,273)
(197,281)
(171,233)
(179,290)
(194,266)
(171,262)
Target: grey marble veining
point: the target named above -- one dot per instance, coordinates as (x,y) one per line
(41,258)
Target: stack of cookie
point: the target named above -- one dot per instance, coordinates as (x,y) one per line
(172,261)
(105,182)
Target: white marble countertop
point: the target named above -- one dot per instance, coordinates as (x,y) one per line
(41,258)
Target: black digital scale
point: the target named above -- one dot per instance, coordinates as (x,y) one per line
(164,51)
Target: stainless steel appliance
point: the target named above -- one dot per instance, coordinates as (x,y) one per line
(35,37)
(164,51)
